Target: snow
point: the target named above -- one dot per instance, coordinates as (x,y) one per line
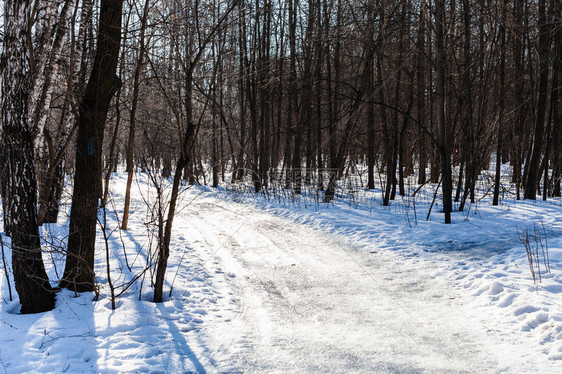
(282,283)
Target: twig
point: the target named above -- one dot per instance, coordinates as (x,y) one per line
(120,234)
(106,240)
(433,201)
(534,254)
(175,275)
(546,257)
(6,267)
(525,240)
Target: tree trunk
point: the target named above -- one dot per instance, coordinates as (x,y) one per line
(531,181)
(420,97)
(184,159)
(295,118)
(447,187)
(518,90)
(333,99)
(466,108)
(55,193)
(265,94)
(501,96)
(51,191)
(556,122)
(240,172)
(370,92)
(113,157)
(318,74)
(401,131)
(102,85)
(19,183)
(43,85)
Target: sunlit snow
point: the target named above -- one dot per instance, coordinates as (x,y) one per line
(285,284)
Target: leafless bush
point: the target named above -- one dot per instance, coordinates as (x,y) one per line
(535,241)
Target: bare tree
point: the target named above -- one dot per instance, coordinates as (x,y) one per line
(139,65)
(440,88)
(18,174)
(188,59)
(102,85)
(532,169)
(501,108)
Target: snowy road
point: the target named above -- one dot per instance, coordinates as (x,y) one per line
(309,303)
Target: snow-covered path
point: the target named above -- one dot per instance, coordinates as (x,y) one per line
(259,287)
(310,303)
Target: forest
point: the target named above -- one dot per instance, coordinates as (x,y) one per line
(290,97)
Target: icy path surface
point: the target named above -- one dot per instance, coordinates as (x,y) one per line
(310,303)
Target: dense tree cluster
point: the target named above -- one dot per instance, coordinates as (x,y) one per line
(286,89)
(271,91)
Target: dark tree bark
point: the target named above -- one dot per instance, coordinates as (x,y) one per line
(102,85)
(518,91)
(240,170)
(297,124)
(55,193)
(51,192)
(389,156)
(420,96)
(447,187)
(402,130)
(332,74)
(556,129)
(532,178)
(111,163)
(466,107)
(265,93)
(214,141)
(305,116)
(370,92)
(318,73)
(19,183)
(501,105)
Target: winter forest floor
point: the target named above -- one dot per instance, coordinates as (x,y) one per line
(278,283)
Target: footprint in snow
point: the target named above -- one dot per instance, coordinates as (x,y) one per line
(524,310)
(507,300)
